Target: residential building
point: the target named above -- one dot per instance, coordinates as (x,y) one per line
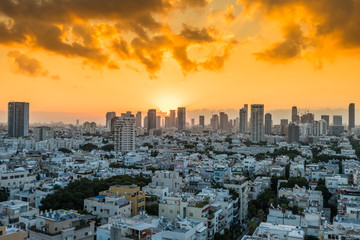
(105,206)
(18,119)
(257,123)
(62,224)
(124,136)
(132,193)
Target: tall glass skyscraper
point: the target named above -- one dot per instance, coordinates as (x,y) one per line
(18,119)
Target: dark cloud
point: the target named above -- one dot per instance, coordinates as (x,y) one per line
(288,49)
(195,3)
(336,21)
(99,31)
(22,64)
(198,35)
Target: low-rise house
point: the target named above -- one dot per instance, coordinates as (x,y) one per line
(108,206)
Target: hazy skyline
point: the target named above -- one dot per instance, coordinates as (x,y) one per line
(67,57)
(277,114)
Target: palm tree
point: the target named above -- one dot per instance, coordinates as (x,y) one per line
(283,210)
(261,214)
(252,226)
(301,211)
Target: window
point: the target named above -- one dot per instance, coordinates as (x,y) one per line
(171,211)
(55,229)
(86,233)
(191,214)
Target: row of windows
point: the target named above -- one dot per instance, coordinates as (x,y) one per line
(12,177)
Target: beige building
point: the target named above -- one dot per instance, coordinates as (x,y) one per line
(132,193)
(108,206)
(61,224)
(11,179)
(13,209)
(11,233)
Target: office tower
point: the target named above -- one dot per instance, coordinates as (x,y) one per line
(244,119)
(337,120)
(257,122)
(323,127)
(146,122)
(124,137)
(18,119)
(224,121)
(181,119)
(138,119)
(109,116)
(327,119)
(351,116)
(307,118)
(112,124)
(214,122)
(151,119)
(158,122)
(294,115)
(268,123)
(283,124)
(202,121)
(192,122)
(77,122)
(316,128)
(92,128)
(42,133)
(167,122)
(172,120)
(292,133)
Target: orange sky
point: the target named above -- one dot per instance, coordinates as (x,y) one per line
(140,54)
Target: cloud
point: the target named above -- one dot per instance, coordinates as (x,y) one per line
(101,32)
(288,49)
(332,26)
(20,63)
(229,14)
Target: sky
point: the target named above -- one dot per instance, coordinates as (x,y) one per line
(73,60)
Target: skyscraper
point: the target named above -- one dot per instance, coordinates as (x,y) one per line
(181,119)
(244,119)
(292,133)
(172,119)
(214,121)
(327,119)
(257,122)
(124,137)
(193,122)
(294,115)
(151,119)
(268,123)
(307,118)
(202,121)
(337,120)
(138,119)
(283,124)
(158,122)
(18,119)
(109,116)
(224,121)
(351,116)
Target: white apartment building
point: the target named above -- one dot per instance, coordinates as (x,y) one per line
(171,180)
(15,178)
(124,135)
(108,206)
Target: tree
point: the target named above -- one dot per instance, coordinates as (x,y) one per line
(252,225)
(301,211)
(283,210)
(152,209)
(108,147)
(64,150)
(261,214)
(325,192)
(88,147)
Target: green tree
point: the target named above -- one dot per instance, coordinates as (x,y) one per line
(88,147)
(283,210)
(252,225)
(261,214)
(64,150)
